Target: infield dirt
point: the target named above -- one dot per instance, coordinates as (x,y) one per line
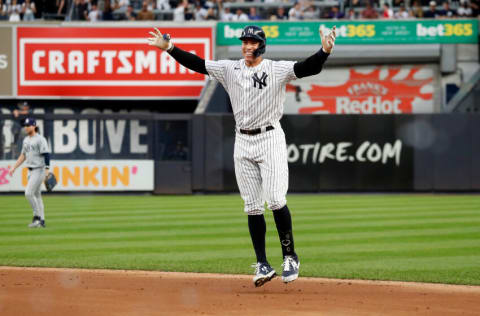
(42,291)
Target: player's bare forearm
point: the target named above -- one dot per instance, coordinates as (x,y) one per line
(20,160)
(18,163)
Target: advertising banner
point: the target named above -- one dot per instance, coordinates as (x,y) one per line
(87,175)
(109,62)
(364,90)
(338,152)
(349,152)
(87,138)
(103,134)
(450,31)
(6,61)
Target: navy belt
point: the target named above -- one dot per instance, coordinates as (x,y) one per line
(256,131)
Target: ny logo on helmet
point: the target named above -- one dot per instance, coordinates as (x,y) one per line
(261,81)
(254,31)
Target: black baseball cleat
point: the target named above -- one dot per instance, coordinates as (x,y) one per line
(291,265)
(263,273)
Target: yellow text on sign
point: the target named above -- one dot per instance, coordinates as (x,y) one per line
(88,176)
(361,30)
(271,31)
(459,29)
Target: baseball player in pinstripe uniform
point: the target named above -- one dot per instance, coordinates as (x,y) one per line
(256,87)
(36,155)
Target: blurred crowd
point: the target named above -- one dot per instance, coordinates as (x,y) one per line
(222,10)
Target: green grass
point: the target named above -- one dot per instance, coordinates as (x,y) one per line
(427,238)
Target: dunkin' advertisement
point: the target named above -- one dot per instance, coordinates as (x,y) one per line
(86,175)
(364,90)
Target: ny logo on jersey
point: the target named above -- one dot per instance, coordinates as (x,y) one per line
(261,81)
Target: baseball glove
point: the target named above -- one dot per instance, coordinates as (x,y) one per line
(50,182)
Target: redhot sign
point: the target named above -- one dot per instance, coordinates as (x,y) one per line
(107,62)
(364,90)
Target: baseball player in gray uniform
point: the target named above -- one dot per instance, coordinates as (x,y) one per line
(36,155)
(256,87)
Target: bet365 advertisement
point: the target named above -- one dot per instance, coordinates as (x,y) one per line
(360,32)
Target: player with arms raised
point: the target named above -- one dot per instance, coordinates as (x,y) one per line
(256,87)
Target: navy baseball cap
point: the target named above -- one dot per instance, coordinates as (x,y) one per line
(29,121)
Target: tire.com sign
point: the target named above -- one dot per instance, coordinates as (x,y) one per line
(107,62)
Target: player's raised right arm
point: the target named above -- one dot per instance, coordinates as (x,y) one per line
(313,64)
(186,59)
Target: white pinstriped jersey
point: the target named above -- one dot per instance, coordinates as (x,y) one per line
(257,93)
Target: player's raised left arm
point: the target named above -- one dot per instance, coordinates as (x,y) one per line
(313,64)
(189,60)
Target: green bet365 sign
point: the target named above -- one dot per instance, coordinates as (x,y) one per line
(364,32)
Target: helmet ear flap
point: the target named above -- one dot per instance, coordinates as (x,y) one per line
(260,50)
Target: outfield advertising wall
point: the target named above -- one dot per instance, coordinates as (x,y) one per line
(194,153)
(100,152)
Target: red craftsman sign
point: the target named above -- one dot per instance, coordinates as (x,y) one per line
(107,62)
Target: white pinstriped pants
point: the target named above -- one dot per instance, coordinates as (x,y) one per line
(261,169)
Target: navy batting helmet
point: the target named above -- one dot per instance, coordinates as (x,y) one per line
(256,33)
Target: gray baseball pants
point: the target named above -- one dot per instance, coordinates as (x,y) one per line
(33,191)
